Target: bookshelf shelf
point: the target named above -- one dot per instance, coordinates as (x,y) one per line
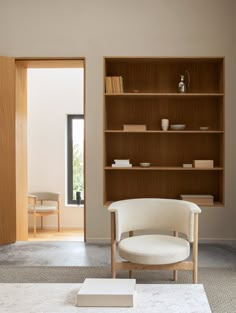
(147,94)
(162,168)
(117,131)
(164,95)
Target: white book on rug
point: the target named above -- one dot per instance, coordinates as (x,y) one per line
(106,292)
(121,165)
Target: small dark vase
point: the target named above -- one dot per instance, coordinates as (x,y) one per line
(78,197)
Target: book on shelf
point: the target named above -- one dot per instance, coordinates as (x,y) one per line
(122,161)
(134,127)
(114,84)
(121,165)
(199,199)
(106,292)
(108,84)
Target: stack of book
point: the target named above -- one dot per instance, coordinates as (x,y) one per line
(114,84)
(199,199)
(122,163)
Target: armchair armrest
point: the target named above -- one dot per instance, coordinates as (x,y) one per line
(32,199)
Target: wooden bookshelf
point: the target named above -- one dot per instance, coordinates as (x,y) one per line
(150,94)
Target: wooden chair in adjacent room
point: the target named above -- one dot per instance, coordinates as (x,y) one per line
(154,251)
(43,204)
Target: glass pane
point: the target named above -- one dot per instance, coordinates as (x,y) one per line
(78,153)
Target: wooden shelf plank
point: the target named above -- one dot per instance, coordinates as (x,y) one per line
(166,132)
(168,94)
(162,168)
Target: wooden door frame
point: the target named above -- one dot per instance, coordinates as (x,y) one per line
(22,64)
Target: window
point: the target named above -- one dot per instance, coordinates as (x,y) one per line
(75,159)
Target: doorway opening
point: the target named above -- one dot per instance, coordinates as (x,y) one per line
(55,94)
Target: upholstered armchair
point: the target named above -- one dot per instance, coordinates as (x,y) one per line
(43,204)
(154,251)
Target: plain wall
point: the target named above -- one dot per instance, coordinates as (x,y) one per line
(93,29)
(52,94)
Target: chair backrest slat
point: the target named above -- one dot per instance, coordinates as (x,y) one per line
(46,196)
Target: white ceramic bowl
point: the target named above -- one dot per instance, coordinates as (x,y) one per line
(144,164)
(178,126)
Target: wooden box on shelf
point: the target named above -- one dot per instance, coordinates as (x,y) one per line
(203,163)
(199,199)
(202,104)
(134,127)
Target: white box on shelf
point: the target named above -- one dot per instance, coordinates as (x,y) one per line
(187,165)
(121,165)
(106,292)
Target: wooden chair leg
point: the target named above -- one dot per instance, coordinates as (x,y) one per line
(35,221)
(175,273)
(113,246)
(58,221)
(131,233)
(41,222)
(195,250)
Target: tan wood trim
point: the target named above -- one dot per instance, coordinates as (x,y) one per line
(21,102)
(51,63)
(113,245)
(21,153)
(104,127)
(187,266)
(85,153)
(7,148)
(195,250)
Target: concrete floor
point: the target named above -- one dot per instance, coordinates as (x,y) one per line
(81,254)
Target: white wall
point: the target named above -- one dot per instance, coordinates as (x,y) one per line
(93,29)
(52,94)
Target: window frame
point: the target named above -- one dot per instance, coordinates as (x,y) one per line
(70,118)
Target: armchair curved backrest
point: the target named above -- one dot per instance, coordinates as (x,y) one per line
(156,214)
(47,196)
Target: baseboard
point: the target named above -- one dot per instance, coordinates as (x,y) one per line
(217,240)
(98,240)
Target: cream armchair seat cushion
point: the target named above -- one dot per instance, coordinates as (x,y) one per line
(42,208)
(154,249)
